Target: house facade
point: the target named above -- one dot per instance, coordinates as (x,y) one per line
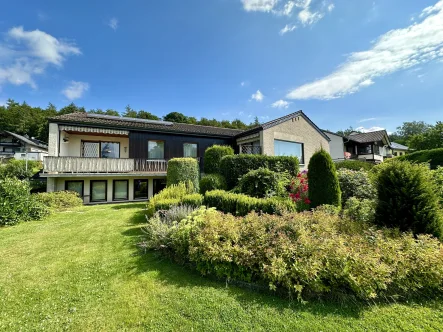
(336,145)
(399,149)
(20,147)
(373,146)
(114,159)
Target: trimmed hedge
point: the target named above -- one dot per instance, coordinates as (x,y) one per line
(434,157)
(212,182)
(263,182)
(213,155)
(183,170)
(60,199)
(234,167)
(355,165)
(194,200)
(241,205)
(324,187)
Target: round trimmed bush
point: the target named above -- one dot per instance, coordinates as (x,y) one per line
(183,170)
(212,182)
(355,184)
(407,199)
(213,156)
(263,182)
(324,187)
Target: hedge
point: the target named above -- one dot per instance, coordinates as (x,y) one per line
(212,182)
(183,170)
(60,199)
(354,165)
(241,205)
(213,155)
(434,157)
(263,182)
(234,167)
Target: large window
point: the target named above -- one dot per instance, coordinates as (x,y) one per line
(120,190)
(76,186)
(364,149)
(156,150)
(159,185)
(100,149)
(110,150)
(141,189)
(286,148)
(99,190)
(190,150)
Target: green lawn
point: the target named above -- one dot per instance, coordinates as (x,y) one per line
(81,270)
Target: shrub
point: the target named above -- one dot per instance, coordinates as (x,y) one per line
(323,182)
(212,158)
(240,204)
(437,176)
(354,165)
(299,189)
(194,200)
(434,157)
(60,199)
(355,184)
(407,199)
(17,168)
(183,170)
(212,182)
(234,167)
(17,203)
(360,210)
(263,182)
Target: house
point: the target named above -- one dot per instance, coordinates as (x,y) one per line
(398,149)
(21,147)
(336,145)
(109,158)
(373,146)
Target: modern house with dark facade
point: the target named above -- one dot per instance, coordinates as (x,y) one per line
(109,158)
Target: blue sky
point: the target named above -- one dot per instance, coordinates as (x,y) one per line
(363,63)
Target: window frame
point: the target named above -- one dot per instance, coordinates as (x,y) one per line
(99,148)
(113,191)
(164,148)
(153,185)
(196,144)
(90,191)
(83,186)
(147,189)
(302,161)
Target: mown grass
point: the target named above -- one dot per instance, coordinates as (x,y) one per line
(81,270)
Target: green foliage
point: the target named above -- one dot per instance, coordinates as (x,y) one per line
(240,204)
(432,138)
(437,176)
(263,182)
(212,182)
(324,187)
(355,165)
(17,168)
(234,167)
(360,210)
(407,199)
(213,156)
(183,170)
(433,157)
(355,184)
(194,200)
(60,200)
(17,204)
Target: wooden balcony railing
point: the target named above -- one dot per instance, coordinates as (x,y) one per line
(102,165)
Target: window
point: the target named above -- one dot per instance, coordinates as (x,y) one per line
(100,149)
(364,149)
(76,186)
(159,185)
(285,148)
(120,190)
(141,189)
(190,150)
(156,150)
(110,150)
(99,189)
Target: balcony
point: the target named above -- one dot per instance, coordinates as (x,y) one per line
(79,165)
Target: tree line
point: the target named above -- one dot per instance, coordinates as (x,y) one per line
(24,119)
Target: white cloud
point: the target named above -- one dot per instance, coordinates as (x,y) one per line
(331,7)
(368,130)
(287,9)
(281,104)
(75,90)
(259,5)
(287,28)
(366,120)
(258,96)
(113,23)
(26,54)
(395,50)
(306,16)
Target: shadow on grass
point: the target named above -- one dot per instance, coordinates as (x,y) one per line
(139,216)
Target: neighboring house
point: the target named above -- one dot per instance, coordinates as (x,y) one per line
(398,149)
(373,146)
(21,147)
(336,145)
(108,158)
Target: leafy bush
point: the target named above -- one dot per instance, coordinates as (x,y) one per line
(17,168)
(360,210)
(60,199)
(354,165)
(323,182)
(434,157)
(304,253)
(355,184)
(263,182)
(240,204)
(17,203)
(194,200)
(407,199)
(212,158)
(212,182)
(299,189)
(437,176)
(234,167)
(183,170)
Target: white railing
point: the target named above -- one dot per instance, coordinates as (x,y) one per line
(102,165)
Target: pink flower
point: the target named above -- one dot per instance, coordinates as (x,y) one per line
(307,201)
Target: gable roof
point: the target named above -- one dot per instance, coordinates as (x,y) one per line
(327,132)
(280,120)
(139,124)
(27,140)
(373,136)
(398,146)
